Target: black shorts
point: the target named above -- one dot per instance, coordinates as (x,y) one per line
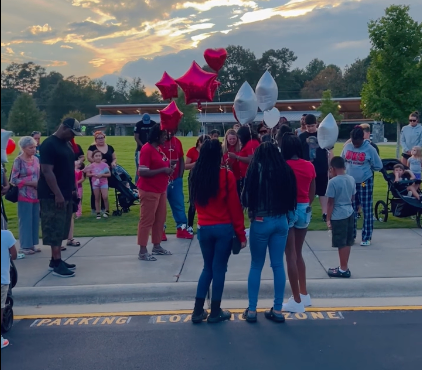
(405,156)
(343,231)
(321,184)
(55,223)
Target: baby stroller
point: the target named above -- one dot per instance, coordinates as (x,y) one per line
(125,190)
(8,310)
(398,204)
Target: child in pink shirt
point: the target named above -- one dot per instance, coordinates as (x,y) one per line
(99,172)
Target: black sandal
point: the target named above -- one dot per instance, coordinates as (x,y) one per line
(338,274)
(250,317)
(197,319)
(271,315)
(73,243)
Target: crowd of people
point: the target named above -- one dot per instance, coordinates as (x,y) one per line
(273,174)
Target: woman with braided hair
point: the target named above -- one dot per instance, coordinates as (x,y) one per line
(269,195)
(220,217)
(361,161)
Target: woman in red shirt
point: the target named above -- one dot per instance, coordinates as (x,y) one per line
(154,171)
(249,141)
(191,158)
(304,171)
(231,144)
(220,217)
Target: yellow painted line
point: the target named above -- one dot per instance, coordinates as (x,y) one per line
(188,312)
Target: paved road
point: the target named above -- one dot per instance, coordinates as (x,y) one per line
(319,340)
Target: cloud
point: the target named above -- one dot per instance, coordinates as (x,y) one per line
(35,30)
(98,62)
(66,47)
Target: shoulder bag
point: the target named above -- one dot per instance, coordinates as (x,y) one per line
(13,193)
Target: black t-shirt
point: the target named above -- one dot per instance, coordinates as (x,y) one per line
(59,154)
(312,152)
(375,146)
(107,156)
(143,131)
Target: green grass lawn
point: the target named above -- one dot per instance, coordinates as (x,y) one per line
(127,224)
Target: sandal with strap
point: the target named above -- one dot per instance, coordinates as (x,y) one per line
(27,252)
(273,316)
(73,243)
(63,249)
(36,250)
(146,257)
(161,252)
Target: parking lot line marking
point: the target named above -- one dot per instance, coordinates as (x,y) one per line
(187,312)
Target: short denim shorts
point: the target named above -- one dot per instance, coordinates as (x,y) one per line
(300,219)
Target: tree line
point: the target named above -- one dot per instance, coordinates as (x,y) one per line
(32,99)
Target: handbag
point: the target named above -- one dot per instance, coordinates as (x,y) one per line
(12,194)
(236,244)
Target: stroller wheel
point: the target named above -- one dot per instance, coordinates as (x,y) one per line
(419,219)
(7,319)
(381,211)
(117,213)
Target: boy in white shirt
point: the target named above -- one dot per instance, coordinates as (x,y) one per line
(8,250)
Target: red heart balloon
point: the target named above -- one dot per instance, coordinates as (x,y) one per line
(197,84)
(170,117)
(167,87)
(215,58)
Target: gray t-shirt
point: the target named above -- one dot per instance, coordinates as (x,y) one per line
(415,165)
(341,188)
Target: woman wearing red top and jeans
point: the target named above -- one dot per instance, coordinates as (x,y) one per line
(250,142)
(220,216)
(154,171)
(305,174)
(191,158)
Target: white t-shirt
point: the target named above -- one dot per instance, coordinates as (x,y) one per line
(7,242)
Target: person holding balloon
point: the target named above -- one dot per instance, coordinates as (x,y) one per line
(249,141)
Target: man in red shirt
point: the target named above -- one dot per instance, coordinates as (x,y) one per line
(173,149)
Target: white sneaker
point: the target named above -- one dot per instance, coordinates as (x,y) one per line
(4,343)
(293,306)
(306,300)
(190,230)
(247,231)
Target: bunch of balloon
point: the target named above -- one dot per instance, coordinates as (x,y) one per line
(267,94)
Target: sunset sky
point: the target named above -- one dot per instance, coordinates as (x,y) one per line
(109,38)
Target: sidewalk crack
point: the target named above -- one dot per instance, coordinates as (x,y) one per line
(316,258)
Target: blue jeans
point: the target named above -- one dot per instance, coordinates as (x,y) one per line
(271,232)
(29,224)
(176,200)
(216,246)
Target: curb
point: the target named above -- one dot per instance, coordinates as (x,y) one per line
(130,293)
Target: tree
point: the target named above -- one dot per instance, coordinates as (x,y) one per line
(22,77)
(279,63)
(354,77)
(328,105)
(79,116)
(241,65)
(394,87)
(329,79)
(189,121)
(3,120)
(25,117)
(314,68)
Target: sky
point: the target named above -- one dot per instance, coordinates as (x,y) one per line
(143,38)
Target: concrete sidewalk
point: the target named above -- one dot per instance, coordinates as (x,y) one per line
(108,271)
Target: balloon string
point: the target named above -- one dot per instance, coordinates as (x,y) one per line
(221,110)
